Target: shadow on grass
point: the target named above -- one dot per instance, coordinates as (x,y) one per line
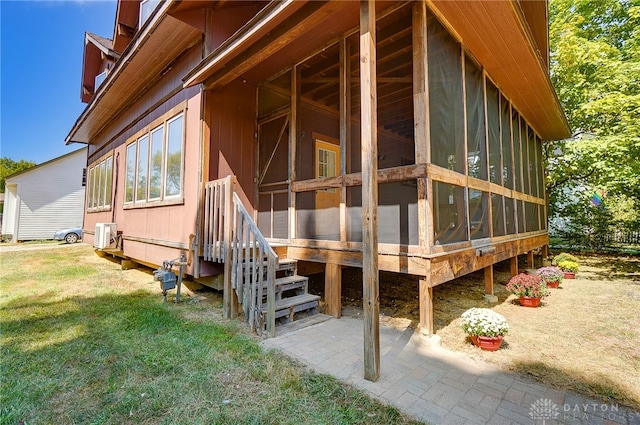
(116,359)
(81,356)
(592,384)
(626,268)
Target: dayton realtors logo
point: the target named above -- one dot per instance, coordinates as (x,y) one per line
(544,409)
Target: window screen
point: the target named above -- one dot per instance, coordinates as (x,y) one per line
(507,163)
(450,221)
(478,214)
(517,161)
(497,214)
(493,123)
(445,98)
(476,144)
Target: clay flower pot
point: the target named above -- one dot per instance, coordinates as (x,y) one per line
(529,301)
(487,343)
(569,275)
(553,284)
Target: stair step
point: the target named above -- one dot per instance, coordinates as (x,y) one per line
(287,264)
(283,264)
(296,283)
(302,323)
(291,305)
(290,282)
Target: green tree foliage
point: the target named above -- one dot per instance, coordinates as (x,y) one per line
(9,167)
(595,68)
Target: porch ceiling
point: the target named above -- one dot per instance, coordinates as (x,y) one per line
(292,32)
(162,40)
(496,33)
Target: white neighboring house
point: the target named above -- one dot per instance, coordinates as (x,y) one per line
(45,198)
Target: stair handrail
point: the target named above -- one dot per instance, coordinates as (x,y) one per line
(258,247)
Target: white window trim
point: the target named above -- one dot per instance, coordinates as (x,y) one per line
(163,199)
(97,197)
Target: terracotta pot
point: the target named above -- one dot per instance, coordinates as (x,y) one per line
(529,301)
(487,343)
(569,275)
(553,284)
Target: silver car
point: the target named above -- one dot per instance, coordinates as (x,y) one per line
(72,235)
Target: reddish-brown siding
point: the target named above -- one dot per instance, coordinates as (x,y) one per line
(232,124)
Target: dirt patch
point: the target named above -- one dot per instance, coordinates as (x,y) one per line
(583,338)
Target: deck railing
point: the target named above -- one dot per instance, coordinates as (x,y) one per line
(232,237)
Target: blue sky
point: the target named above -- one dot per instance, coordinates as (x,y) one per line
(41,49)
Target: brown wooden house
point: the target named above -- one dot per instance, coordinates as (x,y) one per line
(399,136)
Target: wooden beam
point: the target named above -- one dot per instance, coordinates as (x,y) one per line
(278,38)
(229,296)
(333,290)
(420,112)
(345,131)
(388,262)
(530,260)
(294,129)
(426,307)
(513,263)
(369,126)
(488,280)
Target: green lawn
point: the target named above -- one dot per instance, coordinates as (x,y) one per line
(84,342)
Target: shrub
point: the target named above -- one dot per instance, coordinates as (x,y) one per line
(568,266)
(483,322)
(550,274)
(527,285)
(564,257)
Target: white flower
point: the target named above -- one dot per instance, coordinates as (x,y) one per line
(483,322)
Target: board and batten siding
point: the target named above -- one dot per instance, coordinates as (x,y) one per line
(47,198)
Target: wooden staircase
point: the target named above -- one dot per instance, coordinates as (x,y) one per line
(291,291)
(268,288)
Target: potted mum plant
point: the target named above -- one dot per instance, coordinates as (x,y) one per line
(563,256)
(570,268)
(551,275)
(530,289)
(485,327)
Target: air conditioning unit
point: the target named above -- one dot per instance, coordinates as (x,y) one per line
(106,236)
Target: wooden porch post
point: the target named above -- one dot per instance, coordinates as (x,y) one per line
(229,296)
(369,128)
(333,290)
(294,130)
(545,251)
(488,280)
(426,307)
(513,262)
(421,116)
(488,285)
(530,262)
(345,131)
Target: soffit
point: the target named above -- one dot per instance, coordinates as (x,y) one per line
(159,43)
(496,33)
(279,40)
(127,15)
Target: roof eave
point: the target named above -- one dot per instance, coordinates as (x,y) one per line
(143,35)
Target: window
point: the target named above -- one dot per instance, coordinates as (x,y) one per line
(328,161)
(100,179)
(173,162)
(154,164)
(100,79)
(146,9)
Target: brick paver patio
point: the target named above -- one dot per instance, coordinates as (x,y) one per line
(437,385)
